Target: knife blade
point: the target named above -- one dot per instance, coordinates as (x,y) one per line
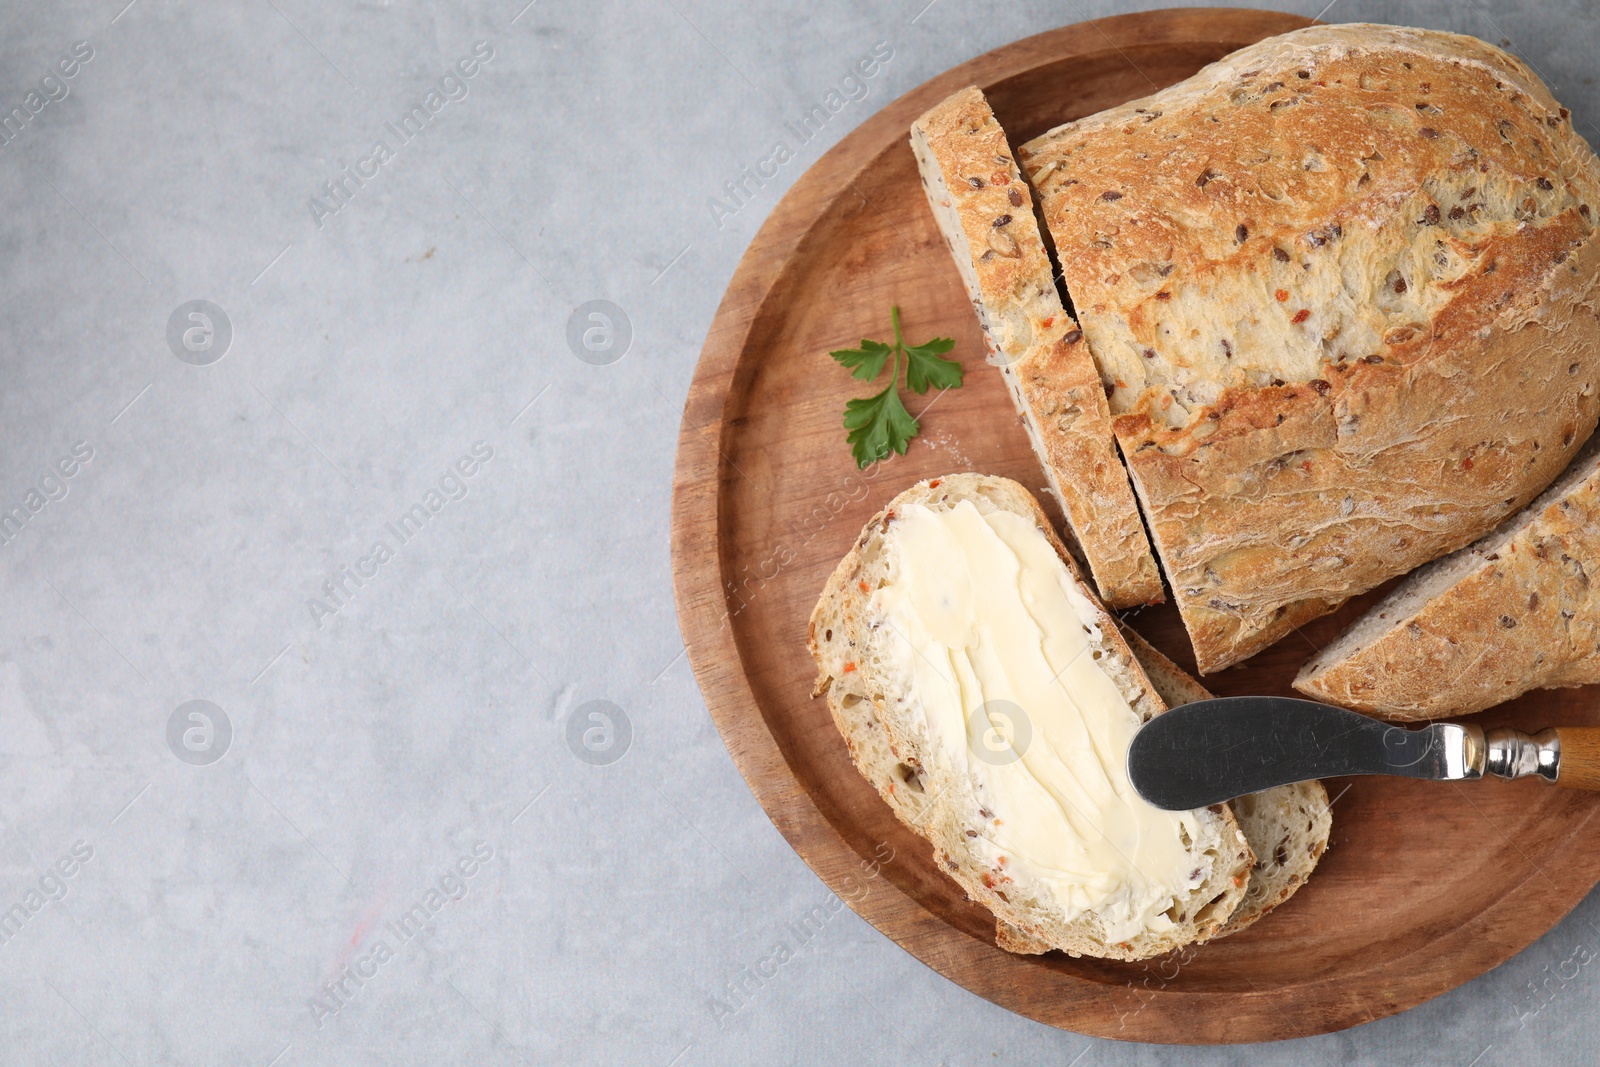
(1213,750)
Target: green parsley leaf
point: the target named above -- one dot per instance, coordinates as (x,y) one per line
(881,424)
(866,362)
(878,425)
(925,368)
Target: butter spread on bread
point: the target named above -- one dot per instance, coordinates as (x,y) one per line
(1342,287)
(947,587)
(990,636)
(985,211)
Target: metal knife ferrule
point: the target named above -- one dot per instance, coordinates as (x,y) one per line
(1509,753)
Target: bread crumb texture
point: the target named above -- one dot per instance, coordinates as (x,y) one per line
(1341,289)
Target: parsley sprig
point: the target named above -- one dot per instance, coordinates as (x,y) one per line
(880,424)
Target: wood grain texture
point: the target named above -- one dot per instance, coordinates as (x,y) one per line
(1425,885)
(1580,757)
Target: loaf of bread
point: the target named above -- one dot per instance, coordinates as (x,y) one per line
(1287,826)
(1342,287)
(986,212)
(1511,612)
(883,699)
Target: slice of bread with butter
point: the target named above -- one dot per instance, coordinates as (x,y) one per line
(989,697)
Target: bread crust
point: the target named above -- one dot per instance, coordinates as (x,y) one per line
(986,212)
(1517,611)
(890,749)
(1343,284)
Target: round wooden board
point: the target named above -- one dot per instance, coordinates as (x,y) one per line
(1425,886)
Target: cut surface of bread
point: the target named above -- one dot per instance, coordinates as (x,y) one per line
(1511,612)
(1291,825)
(1342,285)
(895,723)
(1287,826)
(985,211)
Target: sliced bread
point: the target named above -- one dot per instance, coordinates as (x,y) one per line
(1342,283)
(892,729)
(985,210)
(1287,826)
(1512,612)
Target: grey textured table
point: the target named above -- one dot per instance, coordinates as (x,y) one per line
(290,425)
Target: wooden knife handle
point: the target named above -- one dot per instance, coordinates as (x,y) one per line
(1579,763)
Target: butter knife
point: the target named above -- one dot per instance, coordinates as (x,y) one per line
(1214,750)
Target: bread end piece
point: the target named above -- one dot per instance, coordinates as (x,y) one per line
(985,210)
(1511,612)
(890,750)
